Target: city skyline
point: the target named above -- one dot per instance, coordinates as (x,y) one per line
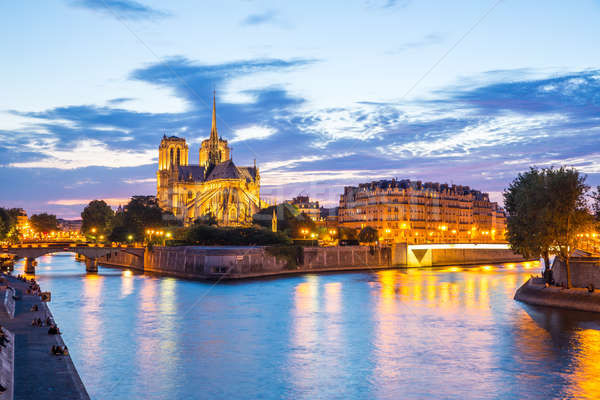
(322,96)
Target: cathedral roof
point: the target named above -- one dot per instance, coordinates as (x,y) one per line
(224,170)
(191,172)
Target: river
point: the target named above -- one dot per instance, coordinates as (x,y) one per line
(447,333)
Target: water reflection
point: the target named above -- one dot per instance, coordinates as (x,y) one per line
(452,332)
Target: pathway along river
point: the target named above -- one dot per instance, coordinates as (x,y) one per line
(446,333)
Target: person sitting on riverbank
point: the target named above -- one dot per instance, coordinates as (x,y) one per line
(37,322)
(49,321)
(34,308)
(53,330)
(59,350)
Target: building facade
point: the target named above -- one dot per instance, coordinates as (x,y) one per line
(304,205)
(215,186)
(416,212)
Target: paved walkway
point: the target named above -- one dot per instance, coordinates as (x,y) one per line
(38,373)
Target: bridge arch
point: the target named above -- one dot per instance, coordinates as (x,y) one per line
(91,253)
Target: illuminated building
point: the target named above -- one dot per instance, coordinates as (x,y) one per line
(416,212)
(216,186)
(304,205)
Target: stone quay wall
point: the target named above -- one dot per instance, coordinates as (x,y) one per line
(245,262)
(584,271)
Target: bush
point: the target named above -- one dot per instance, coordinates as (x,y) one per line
(210,235)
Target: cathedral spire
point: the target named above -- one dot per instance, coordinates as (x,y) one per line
(213,129)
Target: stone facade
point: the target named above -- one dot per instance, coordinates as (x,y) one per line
(413,212)
(215,186)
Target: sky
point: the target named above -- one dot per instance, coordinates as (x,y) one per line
(323,94)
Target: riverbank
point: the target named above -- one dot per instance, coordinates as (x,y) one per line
(38,374)
(236,262)
(536,293)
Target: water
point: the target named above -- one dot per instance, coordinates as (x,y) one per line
(415,334)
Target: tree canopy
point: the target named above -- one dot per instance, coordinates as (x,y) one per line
(97,214)
(44,223)
(547,209)
(368,234)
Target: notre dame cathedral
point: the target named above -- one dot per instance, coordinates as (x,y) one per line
(216,186)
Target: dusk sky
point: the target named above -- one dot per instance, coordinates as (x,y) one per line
(323,94)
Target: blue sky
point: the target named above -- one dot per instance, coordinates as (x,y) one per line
(321,94)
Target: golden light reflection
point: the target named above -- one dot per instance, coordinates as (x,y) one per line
(509,266)
(584,379)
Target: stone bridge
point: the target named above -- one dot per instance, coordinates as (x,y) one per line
(90,252)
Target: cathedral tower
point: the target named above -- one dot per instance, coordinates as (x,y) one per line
(213,150)
(172,153)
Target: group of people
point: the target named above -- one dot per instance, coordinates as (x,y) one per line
(59,350)
(33,288)
(52,327)
(3,338)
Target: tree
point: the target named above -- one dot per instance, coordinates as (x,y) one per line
(596,203)
(368,235)
(43,223)
(526,202)
(140,213)
(567,211)
(97,215)
(547,210)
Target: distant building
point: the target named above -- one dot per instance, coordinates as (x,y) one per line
(304,205)
(216,186)
(66,225)
(416,212)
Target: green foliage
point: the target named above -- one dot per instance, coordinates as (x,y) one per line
(596,204)
(526,202)
(547,210)
(368,235)
(289,220)
(97,214)
(293,255)
(43,222)
(346,233)
(210,235)
(7,221)
(141,213)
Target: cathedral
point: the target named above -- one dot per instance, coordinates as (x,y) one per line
(216,186)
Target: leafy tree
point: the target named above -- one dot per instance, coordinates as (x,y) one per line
(368,234)
(346,233)
(97,214)
(289,220)
(547,210)
(43,222)
(528,222)
(141,213)
(567,208)
(596,203)
(211,235)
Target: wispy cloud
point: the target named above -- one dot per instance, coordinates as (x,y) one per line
(266,17)
(125,9)
(80,202)
(87,153)
(428,40)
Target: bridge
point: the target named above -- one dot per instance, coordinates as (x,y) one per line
(91,252)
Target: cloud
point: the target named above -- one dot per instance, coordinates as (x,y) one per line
(84,202)
(260,18)
(120,9)
(428,40)
(252,133)
(138,181)
(86,153)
